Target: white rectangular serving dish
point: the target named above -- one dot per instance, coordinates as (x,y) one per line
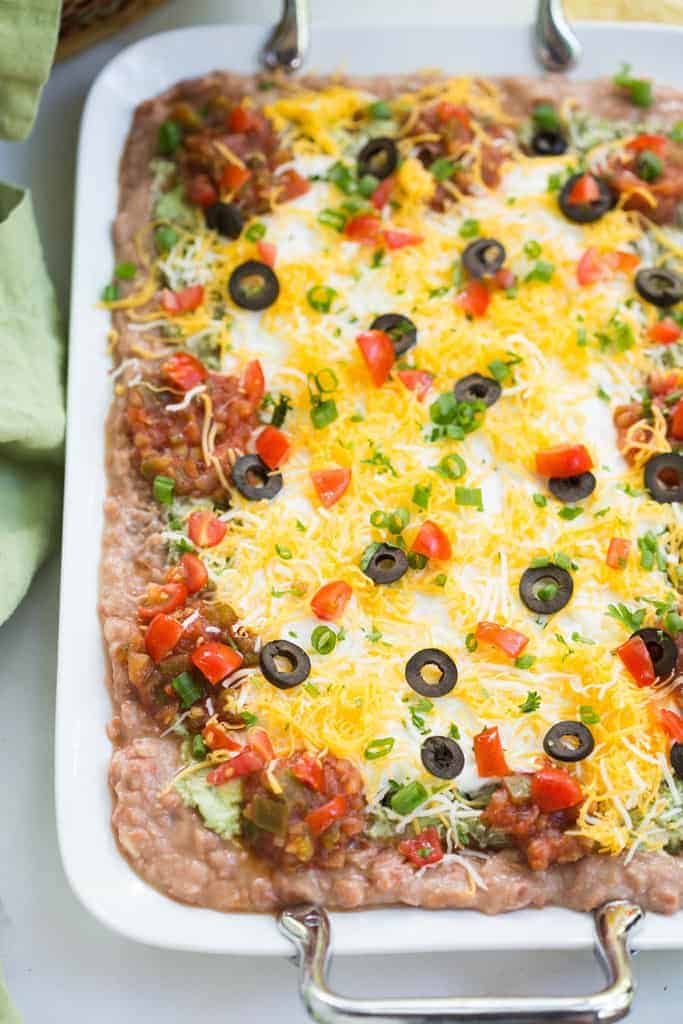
(98,873)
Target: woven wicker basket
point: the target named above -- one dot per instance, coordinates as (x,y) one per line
(86,21)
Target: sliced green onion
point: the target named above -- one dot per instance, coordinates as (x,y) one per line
(378,748)
(323,639)
(380,110)
(416,560)
(543,271)
(588,715)
(326,380)
(283,552)
(452,467)
(640,89)
(125,271)
(471,642)
(320,297)
(532,249)
(324,413)
(408,797)
(545,117)
(442,168)
(334,219)
(547,592)
(469,496)
(170,135)
(367,555)
(165,237)
(540,500)
(397,520)
(453,731)
(343,177)
(500,370)
(187,689)
(198,748)
(524,661)
(378,518)
(162,487)
(570,513)
(440,580)
(421,495)
(248,718)
(676,133)
(649,166)
(469,228)
(367,185)
(110,293)
(255,232)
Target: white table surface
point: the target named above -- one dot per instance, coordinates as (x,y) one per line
(62,966)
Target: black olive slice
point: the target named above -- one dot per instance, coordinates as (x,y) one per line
(676,758)
(585,213)
(569,741)
(438,660)
(659,286)
(477,388)
(546,589)
(549,142)
(225,218)
(662,649)
(254,480)
(253,285)
(296,661)
(378,157)
(571,488)
(401,330)
(387,564)
(442,757)
(482,257)
(664,477)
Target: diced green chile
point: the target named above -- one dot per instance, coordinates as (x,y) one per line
(269,814)
(408,797)
(187,688)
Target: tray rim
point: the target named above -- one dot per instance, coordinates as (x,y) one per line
(148,916)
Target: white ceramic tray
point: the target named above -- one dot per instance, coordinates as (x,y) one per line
(99,875)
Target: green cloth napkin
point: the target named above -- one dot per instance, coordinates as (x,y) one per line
(28,36)
(31,401)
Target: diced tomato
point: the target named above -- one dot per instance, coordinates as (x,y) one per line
(216,661)
(216,737)
(267,252)
(663,383)
(322,817)
(259,741)
(291,185)
(396,239)
(191,571)
(432,542)
(637,661)
(330,484)
(676,426)
(655,143)
(380,196)
(584,190)
(378,353)
(254,382)
(244,763)
(446,111)
(504,278)
(308,769)
(672,724)
(201,190)
(418,381)
(330,601)
(424,848)
(205,529)
(165,598)
(563,460)
(591,268)
(241,119)
(184,371)
(273,447)
(554,789)
(621,261)
(474,298)
(618,552)
(665,331)
(184,301)
(233,177)
(163,633)
(364,227)
(488,753)
(508,640)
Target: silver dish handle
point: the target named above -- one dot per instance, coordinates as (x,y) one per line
(288,43)
(308,928)
(555,45)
